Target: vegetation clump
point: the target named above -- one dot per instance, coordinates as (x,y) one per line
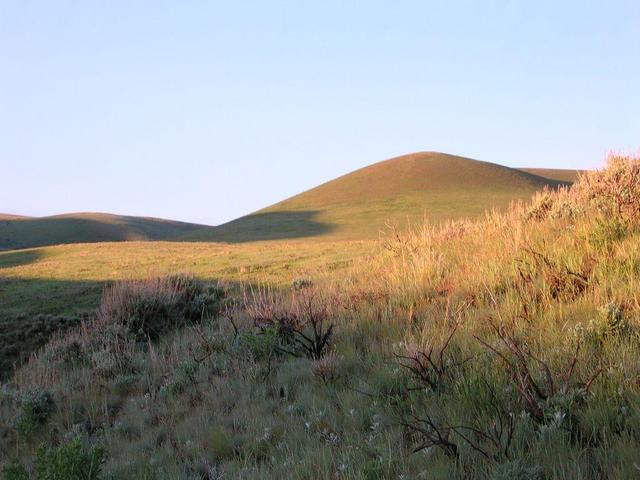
(37,406)
(149,309)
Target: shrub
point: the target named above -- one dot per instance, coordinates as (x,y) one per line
(71,354)
(148,309)
(301,324)
(614,190)
(517,470)
(609,322)
(37,406)
(300,283)
(15,471)
(69,461)
(607,232)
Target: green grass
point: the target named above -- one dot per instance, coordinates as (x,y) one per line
(503,347)
(413,189)
(24,232)
(417,188)
(62,283)
(563,175)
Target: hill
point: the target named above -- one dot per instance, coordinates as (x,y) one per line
(24,232)
(563,175)
(507,350)
(9,216)
(407,189)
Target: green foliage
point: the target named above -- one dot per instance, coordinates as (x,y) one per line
(220,444)
(517,470)
(510,396)
(264,343)
(607,232)
(149,310)
(22,334)
(37,406)
(69,461)
(610,322)
(15,471)
(183,376)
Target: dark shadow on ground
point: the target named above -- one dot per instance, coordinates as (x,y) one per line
(88,228)
(33,309)
(282,225)
(16,259)
(40,232)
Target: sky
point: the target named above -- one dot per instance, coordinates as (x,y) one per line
(204,111)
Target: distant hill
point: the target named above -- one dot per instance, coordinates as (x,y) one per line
(563,175)
(23,232)
(407,189)
(9,216)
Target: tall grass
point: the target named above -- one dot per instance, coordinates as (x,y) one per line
(504,347)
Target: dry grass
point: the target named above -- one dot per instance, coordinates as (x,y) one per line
(503,324)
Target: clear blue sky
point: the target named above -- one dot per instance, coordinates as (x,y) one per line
(203,111)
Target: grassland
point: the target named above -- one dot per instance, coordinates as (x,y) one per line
(503,347)
(409,190)
(24,232)
(403,191)
(562,175)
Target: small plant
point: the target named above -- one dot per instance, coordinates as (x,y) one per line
(516,470)
(301,283)
(430,365)
(609,322)
(69,461)
(325,368)
(302,324)
(72,354)
(535,391)
(37,406)
(149,309)
(15,471)
(607,232)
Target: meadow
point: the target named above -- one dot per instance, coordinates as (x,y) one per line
(500,347)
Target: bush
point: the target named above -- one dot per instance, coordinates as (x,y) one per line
(607,232)
(69,461)
(37,406)
(15,471)
(516,470)
(151,308)
(614,190)
(609,322)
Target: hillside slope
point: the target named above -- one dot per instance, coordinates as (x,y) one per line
(407,189)
(563,175)
(24,232)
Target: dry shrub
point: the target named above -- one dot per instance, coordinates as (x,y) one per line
(325,368)
(146,309)
(302,320)
(615,189)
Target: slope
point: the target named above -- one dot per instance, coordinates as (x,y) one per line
(400,191)
(24,232)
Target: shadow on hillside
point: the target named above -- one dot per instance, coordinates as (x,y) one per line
(16,259)
(40,232)
(268,226)
(32,310)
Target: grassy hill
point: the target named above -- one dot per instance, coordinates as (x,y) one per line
(563,175)
(407,189)
(497,348)
(24,232)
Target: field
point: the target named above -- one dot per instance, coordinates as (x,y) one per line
(66,281)
(502,346)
